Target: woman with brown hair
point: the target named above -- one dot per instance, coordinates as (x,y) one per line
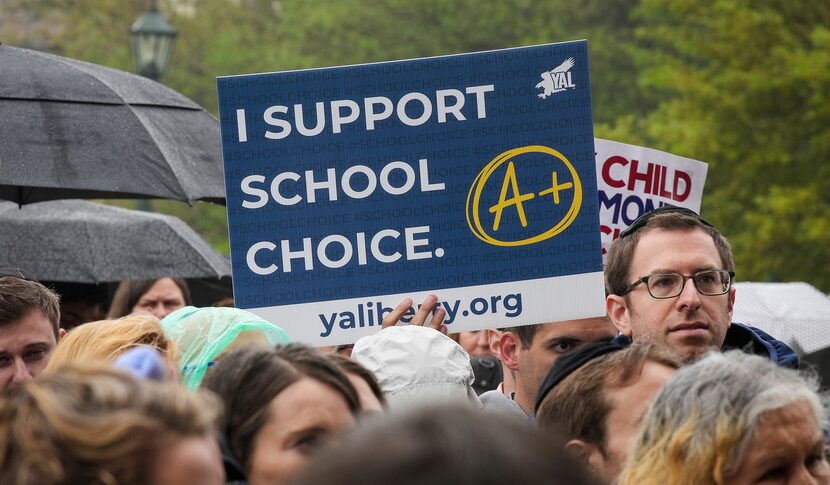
(280,405)
(158,297)
(94,425)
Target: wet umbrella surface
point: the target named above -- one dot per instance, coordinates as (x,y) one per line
(71,129)
(86,242)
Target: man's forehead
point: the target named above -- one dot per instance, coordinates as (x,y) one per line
(12,346)
(34,326)
(674,250)
(575,328)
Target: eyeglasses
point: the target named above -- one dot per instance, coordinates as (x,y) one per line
(641,221)
(711,282)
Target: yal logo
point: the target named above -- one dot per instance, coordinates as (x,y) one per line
(557,80)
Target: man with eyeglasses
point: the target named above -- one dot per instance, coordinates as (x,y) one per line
(669,278)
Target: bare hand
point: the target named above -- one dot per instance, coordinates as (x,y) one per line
(421,315)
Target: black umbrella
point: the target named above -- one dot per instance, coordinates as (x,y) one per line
(71,129)
(86,242)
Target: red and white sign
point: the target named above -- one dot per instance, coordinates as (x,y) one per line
(633,180)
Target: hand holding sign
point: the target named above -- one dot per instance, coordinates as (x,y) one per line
(420,318)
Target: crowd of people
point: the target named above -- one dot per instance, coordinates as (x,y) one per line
(663,389)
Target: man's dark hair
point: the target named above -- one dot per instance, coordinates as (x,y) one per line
(19,297)
(447,445)
(621,251)
(525,334)
(249,378)
(578,406)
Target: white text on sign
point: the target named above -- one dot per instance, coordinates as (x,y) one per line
(339,113)
(285,191)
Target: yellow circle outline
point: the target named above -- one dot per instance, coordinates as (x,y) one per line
(481,179)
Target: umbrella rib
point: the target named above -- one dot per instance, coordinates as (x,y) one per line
(76,67)
(100,103)
(140,120)
(182,190)
(133,111)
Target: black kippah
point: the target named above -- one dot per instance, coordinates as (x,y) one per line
(573,360)
(641,221)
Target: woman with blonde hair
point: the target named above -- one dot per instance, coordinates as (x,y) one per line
(734,419)
(94,425)
(105,340)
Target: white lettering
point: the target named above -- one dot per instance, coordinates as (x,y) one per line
(388,187)
(323,256)
(372,115)
(275,189)
(454,109)
(375,246)
(248,190)
(412,243)
(305,254)
(350,183)
(427,109)
(330,183)
(479,91)
(251,258)
(346,182)
(321,119)
(269,118)
(423,170)
(448,102)
(414,238)
(241,126)
(337,118)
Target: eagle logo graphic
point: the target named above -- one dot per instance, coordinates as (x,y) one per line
(557,80)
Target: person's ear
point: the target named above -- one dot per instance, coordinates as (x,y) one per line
(617,308)
(493,337)
(508,345)
(61,333)
(587,453)
(731,306)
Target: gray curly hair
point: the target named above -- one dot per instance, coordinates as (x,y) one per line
(700,424)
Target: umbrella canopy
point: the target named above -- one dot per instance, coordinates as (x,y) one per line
(71,129)
(796,313)
(86,242)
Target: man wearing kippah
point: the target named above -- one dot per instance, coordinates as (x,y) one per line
(669,278)
(596,396)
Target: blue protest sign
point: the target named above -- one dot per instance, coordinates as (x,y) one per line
(471,176)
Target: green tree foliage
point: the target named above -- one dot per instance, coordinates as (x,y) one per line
(745,87)
(337,32)
(741,85)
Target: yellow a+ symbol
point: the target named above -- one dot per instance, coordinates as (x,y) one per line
(555,188)
(517,199)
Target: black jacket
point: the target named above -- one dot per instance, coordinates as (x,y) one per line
(752,341)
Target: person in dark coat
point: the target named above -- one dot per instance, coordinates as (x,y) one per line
(669,281)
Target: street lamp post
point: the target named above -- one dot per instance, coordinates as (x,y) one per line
(151,43)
